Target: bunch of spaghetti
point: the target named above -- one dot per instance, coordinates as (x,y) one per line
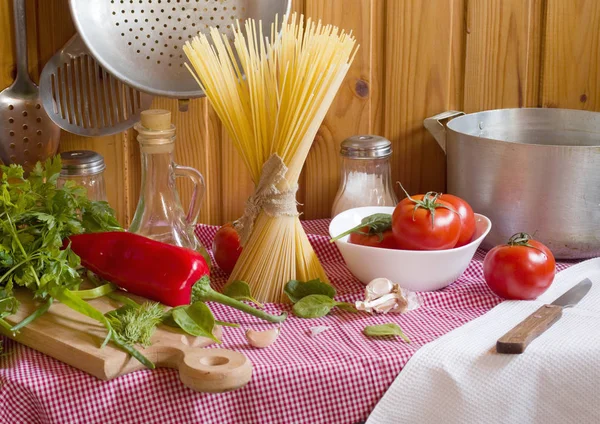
(272,93)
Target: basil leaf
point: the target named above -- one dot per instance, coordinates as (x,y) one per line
(377,223)
(318,305)
(385,330)
(240,290)
(296,290)
(313,306)
(195,319)
(348,307)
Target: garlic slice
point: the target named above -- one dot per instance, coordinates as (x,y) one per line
(383,296)
(315,331)
(262,339)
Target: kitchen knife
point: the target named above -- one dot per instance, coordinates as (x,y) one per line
(517,339)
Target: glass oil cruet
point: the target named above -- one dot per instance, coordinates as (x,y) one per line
(159,214)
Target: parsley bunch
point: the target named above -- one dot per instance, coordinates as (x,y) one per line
(35,217)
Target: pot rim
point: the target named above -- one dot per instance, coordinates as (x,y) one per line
(581,115)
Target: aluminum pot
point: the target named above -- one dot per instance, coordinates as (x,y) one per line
(528,170)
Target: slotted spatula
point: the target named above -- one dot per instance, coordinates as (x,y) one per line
(82,98)
(26,133)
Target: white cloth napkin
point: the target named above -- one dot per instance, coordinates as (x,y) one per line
(460,378)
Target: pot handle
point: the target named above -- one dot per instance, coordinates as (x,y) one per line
(437,128)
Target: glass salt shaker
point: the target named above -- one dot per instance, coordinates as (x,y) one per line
(159,214)
(366,174)
(85,168)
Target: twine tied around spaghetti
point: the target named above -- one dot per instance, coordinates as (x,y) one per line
(268,198)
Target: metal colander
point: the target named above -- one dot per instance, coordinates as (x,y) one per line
(140,41)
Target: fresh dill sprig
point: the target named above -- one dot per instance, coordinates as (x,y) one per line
(136,325)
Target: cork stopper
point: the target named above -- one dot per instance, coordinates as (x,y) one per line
(156,119)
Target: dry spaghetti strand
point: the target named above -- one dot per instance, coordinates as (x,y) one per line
(272,95)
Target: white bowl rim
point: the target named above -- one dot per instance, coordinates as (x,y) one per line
(478,240)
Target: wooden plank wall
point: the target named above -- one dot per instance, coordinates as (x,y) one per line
(417,58)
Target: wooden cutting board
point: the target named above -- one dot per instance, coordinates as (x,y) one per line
(75,339)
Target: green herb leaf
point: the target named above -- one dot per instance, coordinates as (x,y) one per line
(318,305)
(227,324)
(33,316)
(136,325)
(377,224)
(296,290)
(195,319)
(385,330)
(240,290)
(96,292)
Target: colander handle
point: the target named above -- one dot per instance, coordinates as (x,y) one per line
(197,194)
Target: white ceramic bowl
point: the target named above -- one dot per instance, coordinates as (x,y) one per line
(417,270)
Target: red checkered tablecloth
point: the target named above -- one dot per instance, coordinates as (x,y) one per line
(335,377)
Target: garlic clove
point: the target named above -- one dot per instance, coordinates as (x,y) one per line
(395,300)
(262,339)
(377,288)
(315,331)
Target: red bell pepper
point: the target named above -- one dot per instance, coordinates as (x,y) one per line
(152,269)
(142,266)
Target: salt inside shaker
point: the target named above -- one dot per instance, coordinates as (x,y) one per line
(366,178)
(85,168)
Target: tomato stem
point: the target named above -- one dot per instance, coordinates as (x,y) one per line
(522,239)
(429,202)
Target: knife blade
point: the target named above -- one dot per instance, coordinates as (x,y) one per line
(517,339)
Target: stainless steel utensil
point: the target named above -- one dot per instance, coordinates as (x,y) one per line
(140,41)
(528,170)
(517,339)
(84,99)
(26,133)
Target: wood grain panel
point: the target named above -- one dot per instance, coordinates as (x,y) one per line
(54,30)
(572,55)
(352,110)
(503,53)
(197,145)
(422,78)
(417,58)
(7,42)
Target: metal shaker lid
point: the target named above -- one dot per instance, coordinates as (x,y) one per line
(366,147)
(81,163)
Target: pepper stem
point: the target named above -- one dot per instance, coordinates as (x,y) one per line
(213,296)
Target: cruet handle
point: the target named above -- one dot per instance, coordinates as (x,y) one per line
(198,193)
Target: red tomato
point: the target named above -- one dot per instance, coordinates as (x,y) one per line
(522,269)
(226,247)
(414,228)
(373,240)
(467,218)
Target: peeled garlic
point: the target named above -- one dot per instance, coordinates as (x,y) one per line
(383,296)
(262,338)
(378,287)
(315,331)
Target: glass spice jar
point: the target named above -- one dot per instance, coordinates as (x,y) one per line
(85,168)
(366,178)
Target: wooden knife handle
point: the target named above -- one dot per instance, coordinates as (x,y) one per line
(517,339)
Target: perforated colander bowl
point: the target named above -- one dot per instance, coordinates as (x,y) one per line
(140,41)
